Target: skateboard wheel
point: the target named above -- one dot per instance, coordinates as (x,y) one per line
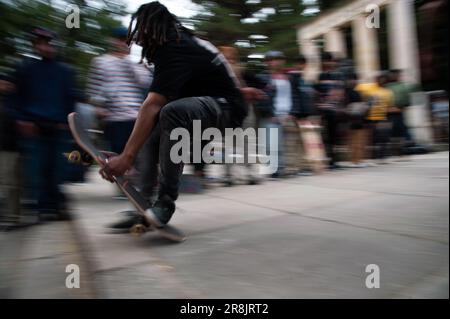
(74,157)
(137,230)
(87,159)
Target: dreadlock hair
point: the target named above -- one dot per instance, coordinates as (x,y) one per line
(153,24)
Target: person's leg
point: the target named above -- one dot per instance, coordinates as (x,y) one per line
(31,161)
(48,191)
(272,141)
(117,134)
(180,114)
(109,135)
(359,145)
(228,167)
(370,138)
(376,141)
(52,198)
(290,141)
(353,146)
(148,164)
(199,168)
(393,118)
(406,134)
(281,149)
(384,136)
(334,139)
(331,137)
(249,144)
(381,138)
(61,169)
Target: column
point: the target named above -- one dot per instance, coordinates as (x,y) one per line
(365,44)
(402,35)
(335,43)
(309,49)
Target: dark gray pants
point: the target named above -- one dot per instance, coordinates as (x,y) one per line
(177,114)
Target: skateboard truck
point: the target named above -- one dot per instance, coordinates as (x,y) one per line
(79,158)
(138,230)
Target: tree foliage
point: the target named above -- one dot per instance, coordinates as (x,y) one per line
(78,45)
(255,26)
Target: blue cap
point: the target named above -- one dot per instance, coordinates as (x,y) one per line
(119,32)
(274,55)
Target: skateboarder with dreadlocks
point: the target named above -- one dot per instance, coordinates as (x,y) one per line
(192,81)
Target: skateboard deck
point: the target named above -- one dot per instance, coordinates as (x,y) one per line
(143,208)
(313,147)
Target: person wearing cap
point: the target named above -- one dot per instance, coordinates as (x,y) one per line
(117,87)
(304,107)
(279,109)
(331,92)
(45,94)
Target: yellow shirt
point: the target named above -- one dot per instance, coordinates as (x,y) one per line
(379,98)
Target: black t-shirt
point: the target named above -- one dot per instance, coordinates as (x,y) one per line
(330,80)
(191,67)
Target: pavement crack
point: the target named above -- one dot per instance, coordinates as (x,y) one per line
(302,215)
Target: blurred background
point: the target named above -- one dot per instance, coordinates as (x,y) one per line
(371,82)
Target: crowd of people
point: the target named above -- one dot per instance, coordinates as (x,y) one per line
(41,92)
(365,117)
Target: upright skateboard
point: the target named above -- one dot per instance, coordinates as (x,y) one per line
(142,206)
(314,150)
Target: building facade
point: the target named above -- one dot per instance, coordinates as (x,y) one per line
(357,29)
(410,35)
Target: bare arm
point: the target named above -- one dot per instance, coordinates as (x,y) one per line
(145,123)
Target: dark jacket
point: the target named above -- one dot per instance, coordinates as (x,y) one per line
(45,91)
(8,134)
(302,97)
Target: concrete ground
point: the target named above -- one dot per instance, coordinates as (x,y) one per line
(302,237)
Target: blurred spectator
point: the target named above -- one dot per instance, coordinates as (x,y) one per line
(8,139)
(357,110)
(9,158)
(277,110)
(303,91)
(330,87)
(330,77)
(232,56)
(380,100)
(117,87)
(303,107)
(401,92)
(45,95)
(439,111)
